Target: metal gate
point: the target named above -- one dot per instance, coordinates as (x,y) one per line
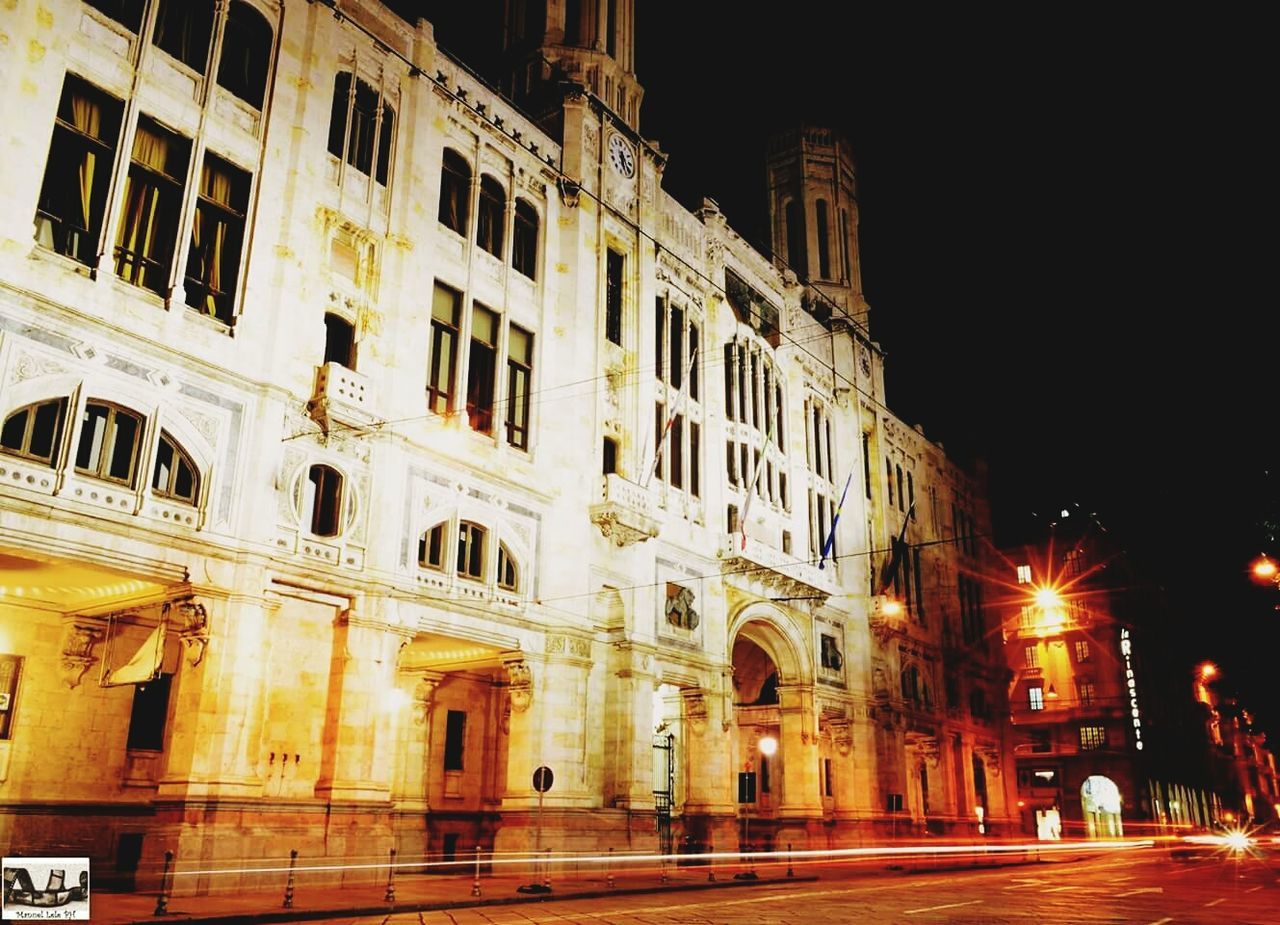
(664,780)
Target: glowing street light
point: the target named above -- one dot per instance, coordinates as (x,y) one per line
(768,746)
(1264,570)
(1208,671)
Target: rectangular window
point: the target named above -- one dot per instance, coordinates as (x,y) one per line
(355,115)
(217,231)
(482,368)
(1087,693)
(446,311)
(911,495)
(1024,574)
(519,378)
(695,456)
(77,173)
(1093,737)
(783,497)
(148,229)
(730,460)
(826,776)
(454,737)
(10,672)
(1082,650)
(866,465)
(1035,698)
(693,361)
(1032,656)
(764,774)
(730,398)
(676,467)
(731,518)
(659,425)
(919,580)
(676,374)
(659,339)
(779,427)
(150,712)
(613,265)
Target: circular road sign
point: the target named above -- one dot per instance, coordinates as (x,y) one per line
(543,779)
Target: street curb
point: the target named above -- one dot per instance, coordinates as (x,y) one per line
(395,908)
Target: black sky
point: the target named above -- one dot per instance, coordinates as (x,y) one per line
(1065,219)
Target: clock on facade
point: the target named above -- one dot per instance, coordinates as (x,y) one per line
(621,156)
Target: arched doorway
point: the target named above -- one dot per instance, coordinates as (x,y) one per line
(1100,802)
(757,716)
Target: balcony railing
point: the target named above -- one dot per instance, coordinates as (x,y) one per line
(625,512)
(794,578)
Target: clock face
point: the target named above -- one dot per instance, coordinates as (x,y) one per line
(621,156)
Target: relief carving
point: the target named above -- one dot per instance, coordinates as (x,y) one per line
(519,684)
(695,709)
(193,629)
(77,651)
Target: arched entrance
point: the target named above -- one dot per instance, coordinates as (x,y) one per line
(1100,802)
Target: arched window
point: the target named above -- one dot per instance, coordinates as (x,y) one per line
(110,438)
(455,181)
(324,500)
(824,241)
(471,539)
(508,574)
(246,53)
(33,432)
(175,474)
(490,215)
(524,240)
(355,119)
(183,29)
(431,548)
(796,255)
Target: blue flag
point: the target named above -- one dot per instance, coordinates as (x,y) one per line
(831,537)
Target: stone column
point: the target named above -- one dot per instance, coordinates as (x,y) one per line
(218,697)
(711,767)
(798,750)
(413,780)
(628,730)
(356,761)
(525,732)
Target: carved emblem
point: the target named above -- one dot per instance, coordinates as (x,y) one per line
(520,684)
(679,607)
(77,651)
(193,629)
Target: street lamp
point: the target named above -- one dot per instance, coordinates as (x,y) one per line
(768,747)
(1264,570)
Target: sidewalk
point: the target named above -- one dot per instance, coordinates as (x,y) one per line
(420,893)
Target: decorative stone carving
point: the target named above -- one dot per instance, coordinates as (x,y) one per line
(679,607)
(926,747)
(424,693)
(695,708)
(77,651)
(192,622)
(841,736)
(990,756)
(520,684)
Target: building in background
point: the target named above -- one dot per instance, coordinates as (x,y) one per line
(368,445)
(1109,738)
(1243,768)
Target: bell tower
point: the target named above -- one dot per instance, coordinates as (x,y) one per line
(587,42)
(813,214)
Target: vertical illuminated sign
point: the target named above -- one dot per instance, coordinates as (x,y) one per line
(1126,649)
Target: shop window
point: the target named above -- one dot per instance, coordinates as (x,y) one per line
(152,204)
(110,438)
(455,185)
(524,240)
(246,53)
(149,714)
(183,29)
(175,474)
(34,432)
(471,540)
(73,196)
(431,548)
(217,233)
(325,489)
(354,127)
(489,216)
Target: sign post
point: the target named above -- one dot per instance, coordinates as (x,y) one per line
(746,796)
(543,778)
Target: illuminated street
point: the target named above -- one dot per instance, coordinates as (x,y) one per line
(1137,889)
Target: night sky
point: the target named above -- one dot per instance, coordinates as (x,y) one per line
(1063,223)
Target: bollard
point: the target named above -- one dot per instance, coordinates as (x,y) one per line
(546,872)
(711,863)
(288,884)
(790,872)
(390,895)
(608,870)
(475,884)
(162,901)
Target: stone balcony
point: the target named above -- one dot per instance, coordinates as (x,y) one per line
(757,561)
(625,512)
(342,398)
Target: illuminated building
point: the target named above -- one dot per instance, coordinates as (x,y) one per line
(332,386)
(1109,740)
(1243,768)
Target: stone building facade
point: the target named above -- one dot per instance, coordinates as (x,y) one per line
(368,445)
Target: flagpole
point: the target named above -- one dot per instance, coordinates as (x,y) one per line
(676,407)
(831,537)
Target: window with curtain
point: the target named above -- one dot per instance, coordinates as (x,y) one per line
(110,440)
(33,432)
(524,240)
(489,216)
(455,184)
(152,202)
(354,127)
(446,308)
(482,368)
(183,29)
(519,377)
(126,12)
(175,474)
(77,173)
(217,233)
(246,53)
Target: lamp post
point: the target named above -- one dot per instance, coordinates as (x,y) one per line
(768,747)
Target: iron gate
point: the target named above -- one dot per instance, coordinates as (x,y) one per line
(664,777)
